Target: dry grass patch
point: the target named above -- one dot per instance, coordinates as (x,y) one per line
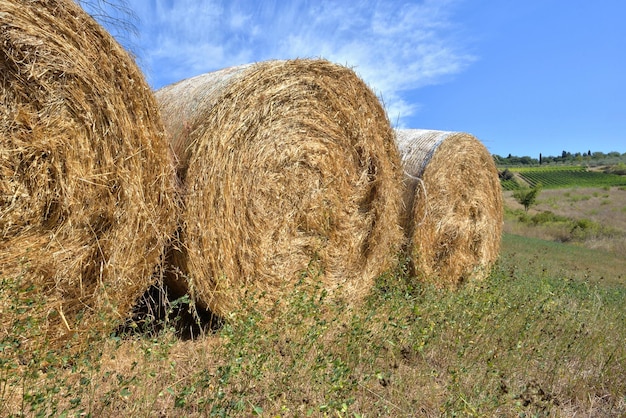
(588,216)
(598,204)
(529,341)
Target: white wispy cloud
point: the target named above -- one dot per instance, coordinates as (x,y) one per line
(396,47)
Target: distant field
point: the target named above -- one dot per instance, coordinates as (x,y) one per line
(594,217)
(558,177)
(599,204)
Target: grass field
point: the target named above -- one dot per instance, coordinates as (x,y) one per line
(542,336)
(592,217)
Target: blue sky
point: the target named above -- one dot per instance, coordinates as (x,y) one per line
(524,77)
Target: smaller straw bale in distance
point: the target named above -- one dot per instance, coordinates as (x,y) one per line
(87,201)
(290,171)
(453,204)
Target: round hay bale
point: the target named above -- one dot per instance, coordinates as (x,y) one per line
(290,172)
(87,198)
(454,213)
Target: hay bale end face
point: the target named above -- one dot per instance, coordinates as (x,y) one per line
(289,172)
(454,206)
(87,198)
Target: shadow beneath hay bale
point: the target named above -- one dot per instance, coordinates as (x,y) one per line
(160,309)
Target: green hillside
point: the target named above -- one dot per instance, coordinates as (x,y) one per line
(557,177)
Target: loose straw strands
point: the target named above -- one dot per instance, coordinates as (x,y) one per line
(290,172)
(87,199)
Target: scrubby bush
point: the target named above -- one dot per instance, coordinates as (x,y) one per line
(546,217)
(506,174)
(619,169)
(527,196)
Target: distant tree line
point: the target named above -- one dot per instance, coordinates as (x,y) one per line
(566,158)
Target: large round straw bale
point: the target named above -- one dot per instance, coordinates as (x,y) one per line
(454,205)
(86,174)
(290,170)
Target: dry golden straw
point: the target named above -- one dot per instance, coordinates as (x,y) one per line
(454,205)
(86,175)
(289,171)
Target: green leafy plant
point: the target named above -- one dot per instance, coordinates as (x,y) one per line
(527,196)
